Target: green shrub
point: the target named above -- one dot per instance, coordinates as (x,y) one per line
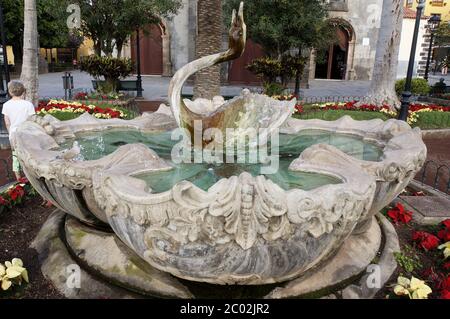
(272,89)
(409,262)
(269,69)
(439,87)
(111,69)
(419,86)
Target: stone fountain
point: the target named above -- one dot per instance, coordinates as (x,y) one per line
(138,223)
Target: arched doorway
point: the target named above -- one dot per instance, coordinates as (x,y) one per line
(151,50)
(336,62)
(237,72)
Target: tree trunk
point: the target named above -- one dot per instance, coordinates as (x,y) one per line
(297,84)
(119,47)
(98,47)
(30,65)
(382,87)
(208,41)
(108,47)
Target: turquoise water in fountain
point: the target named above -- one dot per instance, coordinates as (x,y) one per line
(95,145)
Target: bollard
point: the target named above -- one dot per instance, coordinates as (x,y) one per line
(68,85)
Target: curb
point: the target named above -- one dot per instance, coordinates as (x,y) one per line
(436,133)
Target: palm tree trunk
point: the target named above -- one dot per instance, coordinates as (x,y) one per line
(30,65)
(208,41)
(382,88)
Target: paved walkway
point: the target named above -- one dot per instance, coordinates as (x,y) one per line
(155,87)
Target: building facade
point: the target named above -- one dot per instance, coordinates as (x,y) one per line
(433,7)
(423,43)
(352,58)
(168,46)
(173,44)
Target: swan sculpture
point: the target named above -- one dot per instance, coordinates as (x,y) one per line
(243,113)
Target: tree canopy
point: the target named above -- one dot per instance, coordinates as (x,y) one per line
(286,28)
(52,27)
(443,35)
(280,25)
(109,23)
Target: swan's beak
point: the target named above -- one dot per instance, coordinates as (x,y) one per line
(241,11)
(238,19)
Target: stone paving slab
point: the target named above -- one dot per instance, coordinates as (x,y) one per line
(432,205)
(427,210)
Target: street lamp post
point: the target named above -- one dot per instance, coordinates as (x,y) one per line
(433,23)
(138,64)
(406,95)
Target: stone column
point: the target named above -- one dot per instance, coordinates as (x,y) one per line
(351,60)
(167,63)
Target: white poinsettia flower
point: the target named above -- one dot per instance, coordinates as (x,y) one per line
(446,248)
(414,288)
(419,289)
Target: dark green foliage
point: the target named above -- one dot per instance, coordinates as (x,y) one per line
(266,68)
(442,37)
(408,261)
(333,115)
(273,88)
(276,73)
(280,25)
(52,24)
(439,87)
(112,69)
(286,29)
(109,23)
(419,86)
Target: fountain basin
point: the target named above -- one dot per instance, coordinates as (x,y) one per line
(245,228)
(403,154)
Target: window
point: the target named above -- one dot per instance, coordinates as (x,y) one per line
(409,3)
(338,5)
(436,14)
(437,3)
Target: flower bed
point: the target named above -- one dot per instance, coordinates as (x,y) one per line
(98,96)
(423,115)
(58,108)
(424,260)
(15,194)
(113,99)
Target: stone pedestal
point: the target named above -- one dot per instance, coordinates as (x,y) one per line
(108,269)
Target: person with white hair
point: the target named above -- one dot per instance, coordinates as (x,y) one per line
(16,111)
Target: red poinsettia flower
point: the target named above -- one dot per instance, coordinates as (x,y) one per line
(444,234)
(445,294)
(3,201)
(446,266)
(23,180)
(446,223)
(444,286)
(16,193)
(399,214)
(299,108)
(425,240)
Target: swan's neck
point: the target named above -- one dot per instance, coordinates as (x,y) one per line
(181,76)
